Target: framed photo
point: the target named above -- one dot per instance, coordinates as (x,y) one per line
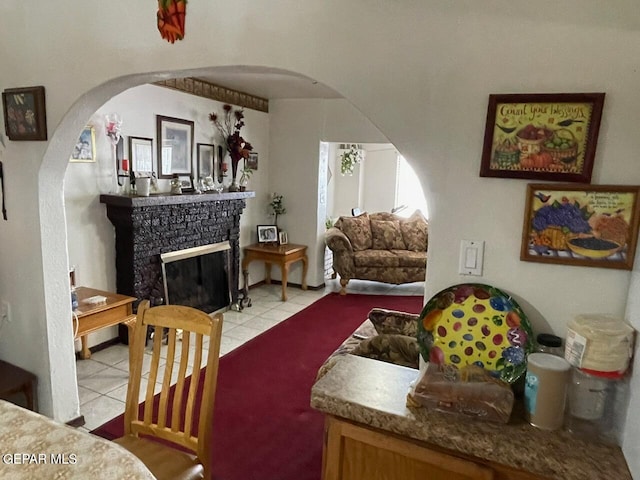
(141,154)
(587,225)
(206,160)
(175,146)
(283,238)
(186,182)
(542,136)
(25,115)
(267,234)
(252,161)
(85,148)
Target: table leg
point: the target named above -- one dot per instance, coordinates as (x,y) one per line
(85,353)
(267,269)
(285,274)
(305,266)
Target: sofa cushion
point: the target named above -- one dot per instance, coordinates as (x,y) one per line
(358,231)
(375,258)
(393,321)
(414,232)
(386,235)
(409,258)
(397,349)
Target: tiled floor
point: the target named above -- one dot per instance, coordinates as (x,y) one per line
(102,380)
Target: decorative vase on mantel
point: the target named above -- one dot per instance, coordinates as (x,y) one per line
(234,171)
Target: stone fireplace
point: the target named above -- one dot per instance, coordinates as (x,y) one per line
(147,227)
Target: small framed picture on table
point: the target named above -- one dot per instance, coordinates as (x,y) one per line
(267,234)
(283,238)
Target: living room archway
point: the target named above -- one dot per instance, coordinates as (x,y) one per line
(52,212)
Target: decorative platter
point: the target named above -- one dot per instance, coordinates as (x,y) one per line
(476,324)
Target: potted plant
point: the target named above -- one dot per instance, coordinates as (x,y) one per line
(349,159)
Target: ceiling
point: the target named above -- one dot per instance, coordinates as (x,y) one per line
(271,85)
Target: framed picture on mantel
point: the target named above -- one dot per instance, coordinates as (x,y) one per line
(175,146)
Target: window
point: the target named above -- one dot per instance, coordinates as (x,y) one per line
(409,194)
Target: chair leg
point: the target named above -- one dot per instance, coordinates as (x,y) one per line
(343,284)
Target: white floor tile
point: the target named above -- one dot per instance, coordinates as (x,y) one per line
(112,355)
(262,323)
(86,395)
(86,368)
(105,380)
(242,332)
(100,410)
(273,314)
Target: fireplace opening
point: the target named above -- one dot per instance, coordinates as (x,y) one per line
(198,277)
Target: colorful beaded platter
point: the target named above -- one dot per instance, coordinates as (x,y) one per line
(476,324)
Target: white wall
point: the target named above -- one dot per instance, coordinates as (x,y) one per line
(91,234)
(297,127)
(379,182)
(423,79)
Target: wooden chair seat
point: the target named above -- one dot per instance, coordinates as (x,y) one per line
(183,414)
(163,461)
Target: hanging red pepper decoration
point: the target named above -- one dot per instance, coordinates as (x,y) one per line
(171,14)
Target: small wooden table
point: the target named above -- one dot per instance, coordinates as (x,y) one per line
(93,316)
(15,380)
(283,255)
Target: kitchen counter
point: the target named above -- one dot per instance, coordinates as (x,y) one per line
(373,393)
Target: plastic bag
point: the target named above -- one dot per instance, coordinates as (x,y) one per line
(469,391)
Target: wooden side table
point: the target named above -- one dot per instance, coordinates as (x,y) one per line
(113,310)
(16,380)
(283,255)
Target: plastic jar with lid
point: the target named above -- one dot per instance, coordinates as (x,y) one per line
(548,343)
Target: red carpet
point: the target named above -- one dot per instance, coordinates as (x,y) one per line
(264,428)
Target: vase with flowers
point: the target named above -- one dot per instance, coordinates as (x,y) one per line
(229,124)
(276,207)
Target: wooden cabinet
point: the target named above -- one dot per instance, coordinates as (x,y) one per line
(357,452)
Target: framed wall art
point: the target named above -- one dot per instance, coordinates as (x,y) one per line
(141,154)
(25,115)
(252,161)
(206,159)
(542,136)
(175,146)
(267,233)
(85,149)
(587,225)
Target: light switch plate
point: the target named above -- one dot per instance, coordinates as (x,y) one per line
(471,257)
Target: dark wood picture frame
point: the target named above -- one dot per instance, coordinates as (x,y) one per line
(585,225)
(25,116)
(141,154)
(267,233)
(548,136)
(175,146)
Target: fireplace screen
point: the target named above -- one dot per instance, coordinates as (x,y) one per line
(197,277)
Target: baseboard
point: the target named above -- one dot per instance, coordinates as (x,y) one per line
(289,284)
(76,422)
(101,346)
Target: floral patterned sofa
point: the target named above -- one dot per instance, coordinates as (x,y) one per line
(386,335)
(380,246)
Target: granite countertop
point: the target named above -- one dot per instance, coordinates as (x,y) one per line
(373,393)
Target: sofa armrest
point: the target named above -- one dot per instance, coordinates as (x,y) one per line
(343,262)
(338,241)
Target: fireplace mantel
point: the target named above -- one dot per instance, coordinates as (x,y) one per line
(146,227)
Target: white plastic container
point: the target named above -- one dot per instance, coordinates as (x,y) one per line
(602,343)
(545,390)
